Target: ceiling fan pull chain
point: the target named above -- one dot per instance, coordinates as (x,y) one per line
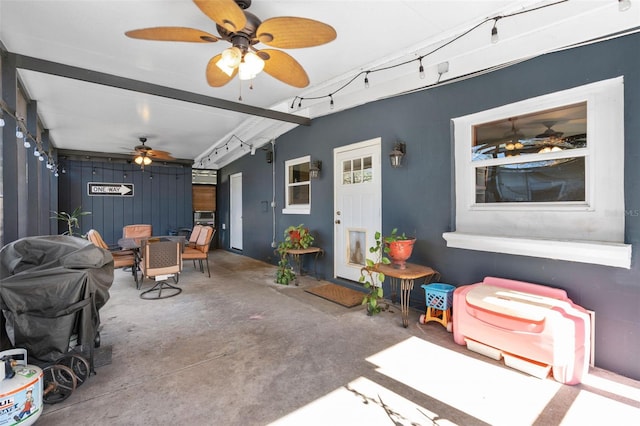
(240,90)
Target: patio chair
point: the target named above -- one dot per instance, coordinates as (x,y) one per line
(193,237)
(201,250)
(136,231)
(121,258)
(160,261)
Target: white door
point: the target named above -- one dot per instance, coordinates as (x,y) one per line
(358,205)
(235,212)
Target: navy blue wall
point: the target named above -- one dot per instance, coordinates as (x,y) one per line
(162,197)
(417,198)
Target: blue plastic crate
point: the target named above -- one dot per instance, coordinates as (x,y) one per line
(438,295)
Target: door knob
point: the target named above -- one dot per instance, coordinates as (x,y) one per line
(337,222)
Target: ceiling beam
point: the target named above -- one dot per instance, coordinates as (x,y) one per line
(76,73)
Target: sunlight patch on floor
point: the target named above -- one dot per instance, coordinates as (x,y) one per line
(596,407)
(612,387)
(361,402)
(488,392)
(592,409)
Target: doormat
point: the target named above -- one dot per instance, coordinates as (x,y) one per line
(338,294)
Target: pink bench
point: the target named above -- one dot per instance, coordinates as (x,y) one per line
(533,327)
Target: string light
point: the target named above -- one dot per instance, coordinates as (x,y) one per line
(624,5)
(494,31)
(494,39)
(27,138)
(225,147)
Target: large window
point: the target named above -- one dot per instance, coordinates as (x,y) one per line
(297,186)
(544,177)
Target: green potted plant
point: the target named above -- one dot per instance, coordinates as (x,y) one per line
(372,279)
(295,237)
(298,236)
(72,219)
(399,247)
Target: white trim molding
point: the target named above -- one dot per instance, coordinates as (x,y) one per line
(595,252)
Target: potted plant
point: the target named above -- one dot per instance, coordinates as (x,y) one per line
(372,279)
(298,236)
(295,237)
(72,219)
(400,248)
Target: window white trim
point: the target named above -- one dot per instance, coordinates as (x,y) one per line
(296,208)
(552,230)
(596,252)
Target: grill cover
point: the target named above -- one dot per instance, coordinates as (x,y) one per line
(51,288)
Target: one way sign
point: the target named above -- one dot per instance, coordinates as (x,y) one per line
(110,189)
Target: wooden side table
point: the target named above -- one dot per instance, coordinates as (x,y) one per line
(406,277)
(298,255)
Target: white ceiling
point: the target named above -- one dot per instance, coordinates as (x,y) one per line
(89,34)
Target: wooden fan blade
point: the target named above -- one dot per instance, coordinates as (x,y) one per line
(172,34)
(283,67)
(215,76)
(160,155)
(287,32)
(225,13)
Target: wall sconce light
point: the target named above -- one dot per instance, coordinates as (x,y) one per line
(314,169)
(399,150)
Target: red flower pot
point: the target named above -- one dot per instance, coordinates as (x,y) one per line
(400,251)
(294,236)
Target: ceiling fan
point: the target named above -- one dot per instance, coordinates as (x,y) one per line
(144,154)
(549,132)
(244,30)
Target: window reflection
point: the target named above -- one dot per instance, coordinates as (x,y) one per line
(357,170)
(538,181)
(545,131)
(524,158)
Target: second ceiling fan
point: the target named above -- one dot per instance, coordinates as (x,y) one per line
(244,30)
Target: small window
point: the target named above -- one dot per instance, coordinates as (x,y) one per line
(357,170)
(297,186)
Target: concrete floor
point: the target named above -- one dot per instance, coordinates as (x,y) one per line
(237,349)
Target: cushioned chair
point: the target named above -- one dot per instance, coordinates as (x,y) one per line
(201,250)
(193,238)
(161,260)
(136,231)
(121,258)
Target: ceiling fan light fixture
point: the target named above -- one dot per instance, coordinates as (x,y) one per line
(250,66)
(142,160)
(229,60)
